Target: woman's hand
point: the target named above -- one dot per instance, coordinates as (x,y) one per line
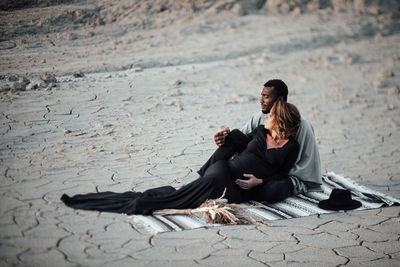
(250,183)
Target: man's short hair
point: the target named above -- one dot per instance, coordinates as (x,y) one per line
(280,88)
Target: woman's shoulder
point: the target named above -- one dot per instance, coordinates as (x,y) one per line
(261,128)
(293,144)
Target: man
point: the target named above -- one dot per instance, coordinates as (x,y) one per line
(304,176)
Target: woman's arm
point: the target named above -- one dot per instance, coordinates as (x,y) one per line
(254,132)
(290,159)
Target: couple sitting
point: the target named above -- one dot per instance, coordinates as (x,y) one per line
(276,157)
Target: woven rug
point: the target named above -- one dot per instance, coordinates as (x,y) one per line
(292,207)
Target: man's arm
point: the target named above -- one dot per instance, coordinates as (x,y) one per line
(308,164)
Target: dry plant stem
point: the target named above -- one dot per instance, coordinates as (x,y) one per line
(215,211)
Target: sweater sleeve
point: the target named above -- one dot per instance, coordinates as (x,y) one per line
(290,159)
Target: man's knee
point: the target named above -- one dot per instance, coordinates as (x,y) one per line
(234,136)
(236,132)
(237,140)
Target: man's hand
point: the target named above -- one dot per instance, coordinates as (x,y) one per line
(219,137)
(250,183)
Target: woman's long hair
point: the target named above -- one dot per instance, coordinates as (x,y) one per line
(286,118)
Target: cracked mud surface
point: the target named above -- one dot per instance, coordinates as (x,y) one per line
(97,135)
(129,130)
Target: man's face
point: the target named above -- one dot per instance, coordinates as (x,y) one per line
(267,99)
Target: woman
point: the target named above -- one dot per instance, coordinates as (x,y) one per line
(265,154)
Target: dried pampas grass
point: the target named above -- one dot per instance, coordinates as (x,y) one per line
(215,211)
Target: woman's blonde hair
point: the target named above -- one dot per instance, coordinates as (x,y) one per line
(286,118)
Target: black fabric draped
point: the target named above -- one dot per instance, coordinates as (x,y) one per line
(216,175)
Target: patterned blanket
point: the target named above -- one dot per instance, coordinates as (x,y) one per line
(293,207)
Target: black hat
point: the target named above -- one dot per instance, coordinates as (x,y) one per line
(340,199)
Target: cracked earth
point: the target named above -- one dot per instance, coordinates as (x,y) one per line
(133,130)
(101,134)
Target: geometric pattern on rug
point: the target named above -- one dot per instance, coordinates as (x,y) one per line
(292,207)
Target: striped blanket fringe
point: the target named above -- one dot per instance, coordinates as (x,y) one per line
(260,213)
